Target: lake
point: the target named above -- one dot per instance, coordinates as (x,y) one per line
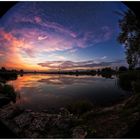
(40,92)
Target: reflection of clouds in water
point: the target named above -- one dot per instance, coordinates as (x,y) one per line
(54,81)
(42,91)
(67,80)
(26,81)
(62,87)
(23,100)
(50,95)
(38,92)
(37,80)
(43,100)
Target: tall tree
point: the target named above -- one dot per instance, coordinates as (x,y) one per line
(130,38)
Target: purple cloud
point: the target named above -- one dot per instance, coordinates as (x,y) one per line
(80,64)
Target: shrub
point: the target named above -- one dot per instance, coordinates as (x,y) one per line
(125,79)
(5,76)
(122,69)
(136,86)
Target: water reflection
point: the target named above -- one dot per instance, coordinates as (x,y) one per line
(68,79)
(42,91)
(7,94)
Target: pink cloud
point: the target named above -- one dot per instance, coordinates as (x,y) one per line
(2,53)
(59,28)
(78,65)
(42,37)
(49,25)
(45,37)
(34,42)
(37,19)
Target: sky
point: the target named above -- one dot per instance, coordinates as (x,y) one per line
(66,35)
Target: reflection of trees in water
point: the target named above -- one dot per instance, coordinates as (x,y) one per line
(7,94)
(107,75)
(71,79)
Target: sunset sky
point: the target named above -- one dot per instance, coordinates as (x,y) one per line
(49,35)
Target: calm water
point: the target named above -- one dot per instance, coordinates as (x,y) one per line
(42,91)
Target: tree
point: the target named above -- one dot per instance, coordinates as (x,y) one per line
(129,37)
(3,69)
(21,71)
(122,68)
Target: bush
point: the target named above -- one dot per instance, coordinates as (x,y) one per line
(5,76)
(136,86)
(122,69)
(125,79)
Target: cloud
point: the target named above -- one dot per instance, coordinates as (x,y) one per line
(80,64)
(42,37)
(37,19)
(12,49)
(102,35)
(73,50)
(27,34)
(104,57)
(37,27)
(56,57)
(2,53)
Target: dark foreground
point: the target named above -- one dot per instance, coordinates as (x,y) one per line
(134,132)
(118,121)
(5,132)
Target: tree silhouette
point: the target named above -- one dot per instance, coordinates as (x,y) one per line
(129,37)
(3,69)
(122,68)
(21,71)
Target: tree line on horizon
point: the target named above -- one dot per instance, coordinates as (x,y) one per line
(99,70)
(106,72)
